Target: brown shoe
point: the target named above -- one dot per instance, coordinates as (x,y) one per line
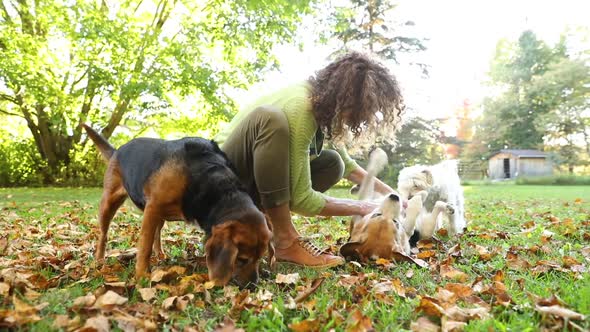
(303,253)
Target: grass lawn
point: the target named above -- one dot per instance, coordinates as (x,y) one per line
(522,265)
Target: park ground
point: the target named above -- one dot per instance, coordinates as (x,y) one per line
(521,265)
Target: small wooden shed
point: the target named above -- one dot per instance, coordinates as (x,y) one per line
(509,164)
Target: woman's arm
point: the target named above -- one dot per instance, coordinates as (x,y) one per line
(359,174)
(346,207)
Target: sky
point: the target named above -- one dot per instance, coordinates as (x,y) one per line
(462,37)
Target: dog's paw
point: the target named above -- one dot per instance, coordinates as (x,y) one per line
(450,209)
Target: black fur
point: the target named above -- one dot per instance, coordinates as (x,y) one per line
(414,238)
(214,192)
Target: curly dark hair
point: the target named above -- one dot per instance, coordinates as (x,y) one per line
(352,91)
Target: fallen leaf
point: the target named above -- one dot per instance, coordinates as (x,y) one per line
(109,300)
(460,290)
(228,325)
(287,278)
(357,322)
(4,289)
(348,281)
(23,308)
(399,257)
(147,294)
(498,276)
(446,297)
(390,285)
(308,325)
(423,324)
(316,283)
(84,301)
(167,275)
(264,295)
(569,261)
(451,325)
(426,254)
(430,306)
(483,253)
(96,324)
(449,272)
(559,311)
(514,262)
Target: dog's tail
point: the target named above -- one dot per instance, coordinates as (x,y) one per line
(105,148)
(377,161)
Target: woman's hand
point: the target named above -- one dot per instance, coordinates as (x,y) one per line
(359,174)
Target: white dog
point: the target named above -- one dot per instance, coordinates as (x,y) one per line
(444,197)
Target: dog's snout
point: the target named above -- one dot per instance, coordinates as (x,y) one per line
(394,197)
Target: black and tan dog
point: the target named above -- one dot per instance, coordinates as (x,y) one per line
(188,179)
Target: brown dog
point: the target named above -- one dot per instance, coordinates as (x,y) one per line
(188,179)
(386,230)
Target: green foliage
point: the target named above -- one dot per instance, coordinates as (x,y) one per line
(20,163)
(66,63)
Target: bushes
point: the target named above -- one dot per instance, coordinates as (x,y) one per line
(22,165)
(558,180)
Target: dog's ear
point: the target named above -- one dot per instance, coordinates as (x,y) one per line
(428,177)
(221,254)
(350,250)
(271,247)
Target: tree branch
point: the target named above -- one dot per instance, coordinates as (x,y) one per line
(8,98)
(11,114)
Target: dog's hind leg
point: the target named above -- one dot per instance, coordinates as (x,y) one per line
(458,223)
(157,247)
(413,211)
(430,222)
(113,196)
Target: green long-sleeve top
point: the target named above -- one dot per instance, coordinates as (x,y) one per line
(295,102)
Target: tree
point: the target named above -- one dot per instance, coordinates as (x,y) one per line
(368,24)
(66,63)
(544,102)
(565,87)
(418,142)
(510,117)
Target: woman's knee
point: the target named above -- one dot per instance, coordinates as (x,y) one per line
(333,162)
(326,170)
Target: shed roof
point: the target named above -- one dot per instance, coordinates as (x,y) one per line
(523,153)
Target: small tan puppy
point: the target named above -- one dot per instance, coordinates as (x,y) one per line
(385,230)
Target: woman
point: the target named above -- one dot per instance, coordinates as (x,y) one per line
(276,145)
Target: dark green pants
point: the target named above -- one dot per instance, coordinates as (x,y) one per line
(259,149)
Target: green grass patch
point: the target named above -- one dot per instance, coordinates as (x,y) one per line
(555,180)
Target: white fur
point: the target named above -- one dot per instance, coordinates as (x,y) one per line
(441,180)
